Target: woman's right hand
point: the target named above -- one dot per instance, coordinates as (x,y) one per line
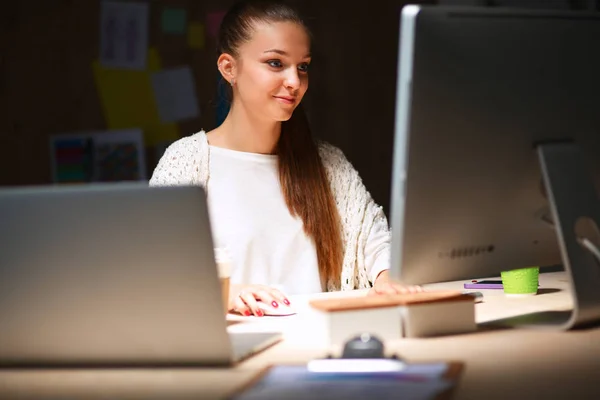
(244,298)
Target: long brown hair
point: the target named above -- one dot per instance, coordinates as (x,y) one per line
(303,178)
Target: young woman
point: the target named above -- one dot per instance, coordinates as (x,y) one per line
(292,212)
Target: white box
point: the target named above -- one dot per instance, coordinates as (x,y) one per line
(335,328)
(334,321)
(438,319)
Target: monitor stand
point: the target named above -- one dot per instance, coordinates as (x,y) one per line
(575,210)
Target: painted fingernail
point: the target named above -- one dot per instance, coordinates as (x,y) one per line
(247,313)
(259,313)
(286,302)
(274,304)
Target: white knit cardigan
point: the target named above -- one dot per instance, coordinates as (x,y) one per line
(186,162)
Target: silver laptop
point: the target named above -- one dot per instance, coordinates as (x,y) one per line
(112,274)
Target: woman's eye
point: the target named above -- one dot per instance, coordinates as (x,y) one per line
(274,63)
(303,67)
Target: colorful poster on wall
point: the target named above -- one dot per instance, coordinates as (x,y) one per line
(99,156)
(71,158)
(123,34)
(119,156)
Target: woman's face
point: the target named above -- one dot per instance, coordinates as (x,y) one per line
(272,70)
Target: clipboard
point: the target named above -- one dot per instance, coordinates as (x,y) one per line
(248,391)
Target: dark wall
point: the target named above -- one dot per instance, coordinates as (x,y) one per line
(47,85)
(353,85)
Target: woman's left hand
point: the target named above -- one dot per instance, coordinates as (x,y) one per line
(384,285)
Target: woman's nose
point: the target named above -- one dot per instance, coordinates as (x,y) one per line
(292,81)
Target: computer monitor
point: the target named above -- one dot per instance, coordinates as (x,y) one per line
(497,147)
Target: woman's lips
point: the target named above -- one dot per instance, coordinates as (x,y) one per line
(285,99)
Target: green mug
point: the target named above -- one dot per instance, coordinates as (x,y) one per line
(521,282)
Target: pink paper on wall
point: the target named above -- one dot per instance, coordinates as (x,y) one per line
(213,22)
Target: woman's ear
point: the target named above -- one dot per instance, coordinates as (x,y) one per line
(226,65)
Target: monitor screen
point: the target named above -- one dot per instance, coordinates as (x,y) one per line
(478,90)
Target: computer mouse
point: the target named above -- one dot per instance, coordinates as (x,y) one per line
(281,310)
(363,346)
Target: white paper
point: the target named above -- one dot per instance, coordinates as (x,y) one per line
(175,94)
(123,35)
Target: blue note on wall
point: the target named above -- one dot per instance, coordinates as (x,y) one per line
(173,20)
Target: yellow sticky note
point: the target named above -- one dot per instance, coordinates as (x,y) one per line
(127,100)
(159,133)
(153,63)
(196,35)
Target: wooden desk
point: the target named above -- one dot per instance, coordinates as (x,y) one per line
(500,364)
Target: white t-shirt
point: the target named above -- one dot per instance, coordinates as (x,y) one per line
(365,230)
(250,218)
